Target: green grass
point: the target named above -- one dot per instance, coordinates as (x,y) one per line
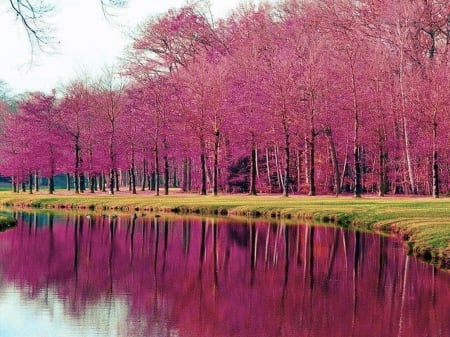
(423,223)
(6,222)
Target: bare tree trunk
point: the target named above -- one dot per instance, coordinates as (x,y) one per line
(103,185)
(144,175)
(311,142)
(36,181)
(166,175)
(118,176)
(13,184)
(356,146)
(112,181)
(82,183)
(133,172)
(253,164)
(382,175)
(311,171)
(278,169)
(305,152)
(166,169)
(216,162)
(410,170)
(269,181)
(77,166)
(334,161)
(286,168)
(92,183)
(157,175)
(357,165)
(184,175)
(30,182)
(344,169)
(299,170)
(189,174)
(412,181)
(203,167)
(51,184)
(435,160)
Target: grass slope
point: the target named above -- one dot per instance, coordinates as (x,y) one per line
(423,223)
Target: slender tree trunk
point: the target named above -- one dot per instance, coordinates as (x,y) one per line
(30,182)
(278,169)
(112,180)
(100,181)
(344,168)
(133,180)
(184,175)
(133,172)
(156,172)
(77,166)
(103,181)
(435,161)
(412,181)
(82,183)
(356,146)
(189,174)
(357,165)
(299,170)
(382,179)
(256,162)
(312,168)
(118,176)
(144,175)
(51,184)
(334,161)
(13,184)
(287,164)
(203,167)
(410,170)
(166,175)
(203,178)
(68,184)
(269,180)
(253,165)
(93,183)
(128,177)
(216,162)
(306,159)
(312,147)
(36,182)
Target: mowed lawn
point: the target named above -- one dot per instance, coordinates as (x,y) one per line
(423,223)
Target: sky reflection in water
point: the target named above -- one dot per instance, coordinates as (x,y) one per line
(149,276)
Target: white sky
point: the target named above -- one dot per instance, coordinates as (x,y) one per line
(87,42)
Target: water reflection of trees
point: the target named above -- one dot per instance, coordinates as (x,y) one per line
(205,277)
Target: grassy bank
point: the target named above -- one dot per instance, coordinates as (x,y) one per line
(6,222)
(423,223)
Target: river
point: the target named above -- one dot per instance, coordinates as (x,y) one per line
(78,275)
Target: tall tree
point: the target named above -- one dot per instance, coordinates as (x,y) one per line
(109,100)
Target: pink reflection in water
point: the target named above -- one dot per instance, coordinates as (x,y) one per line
(194,277)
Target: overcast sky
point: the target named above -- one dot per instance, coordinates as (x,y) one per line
(86,41)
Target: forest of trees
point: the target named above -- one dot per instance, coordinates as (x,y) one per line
(305,97)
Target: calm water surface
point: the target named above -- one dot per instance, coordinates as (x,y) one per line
(76,275)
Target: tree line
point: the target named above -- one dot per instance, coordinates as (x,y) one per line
(306,97)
